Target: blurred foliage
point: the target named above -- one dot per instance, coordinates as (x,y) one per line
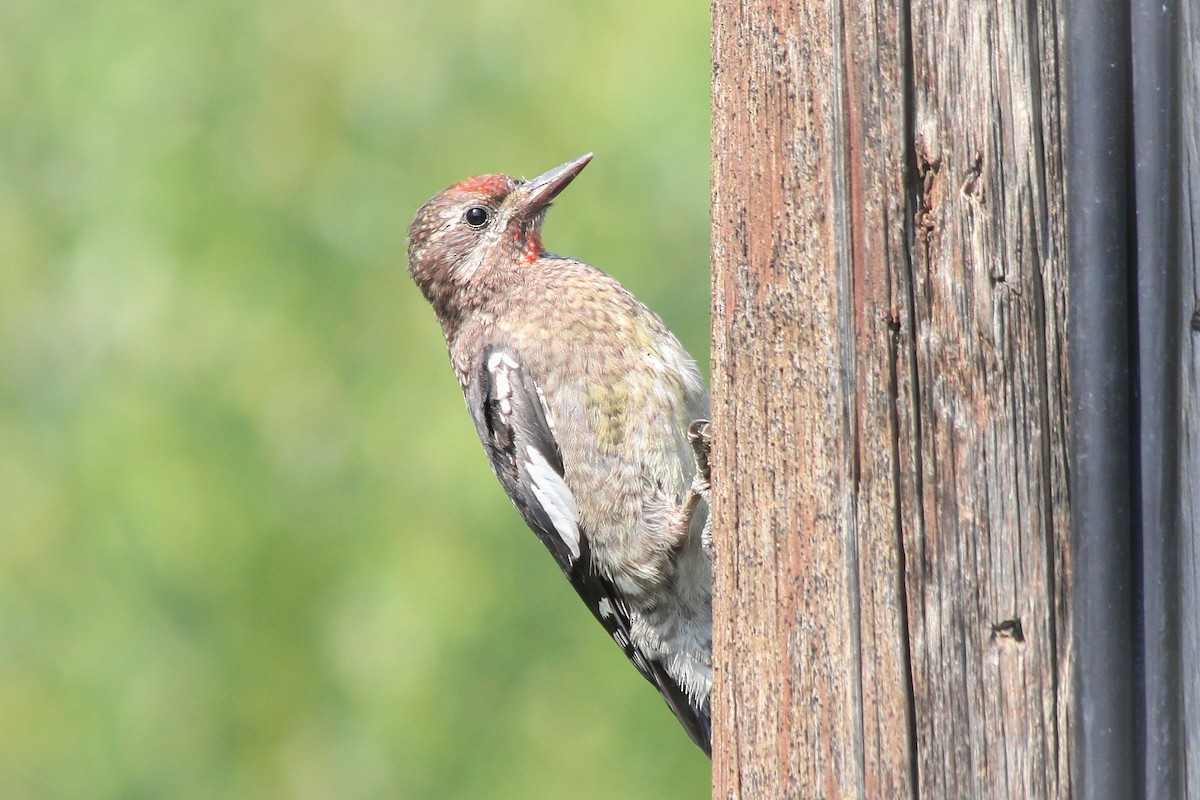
(249,544)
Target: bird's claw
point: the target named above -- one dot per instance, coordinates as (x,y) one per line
(700,437)
(681,519)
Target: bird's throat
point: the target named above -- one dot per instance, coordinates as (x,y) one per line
(532,248)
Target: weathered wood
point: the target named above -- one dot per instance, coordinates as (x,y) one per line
(1190,395)
(889,401)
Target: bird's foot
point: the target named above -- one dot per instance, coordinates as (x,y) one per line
(700,436)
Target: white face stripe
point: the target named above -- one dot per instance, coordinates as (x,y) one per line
(555,498)
(452,217)
(470,265)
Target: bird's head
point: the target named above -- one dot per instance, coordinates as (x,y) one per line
(479,229)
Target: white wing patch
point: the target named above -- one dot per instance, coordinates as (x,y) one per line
(545,484)
(556,499)
(499,364)
(546,410)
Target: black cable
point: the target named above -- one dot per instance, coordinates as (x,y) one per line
(1105,757)
(1157,354)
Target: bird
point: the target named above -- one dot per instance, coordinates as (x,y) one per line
(593,417)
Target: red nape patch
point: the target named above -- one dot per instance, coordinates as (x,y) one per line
(496,186)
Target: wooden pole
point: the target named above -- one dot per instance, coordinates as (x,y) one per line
(1190,391)
(889,401)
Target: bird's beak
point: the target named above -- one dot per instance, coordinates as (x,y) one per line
(536,194)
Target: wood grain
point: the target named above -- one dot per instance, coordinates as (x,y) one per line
(889,401)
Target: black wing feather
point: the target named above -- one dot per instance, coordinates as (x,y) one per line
(510,418)
(506,430)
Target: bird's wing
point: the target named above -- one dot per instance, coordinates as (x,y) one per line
(513,423)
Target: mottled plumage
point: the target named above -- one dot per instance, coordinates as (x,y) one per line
(582,399)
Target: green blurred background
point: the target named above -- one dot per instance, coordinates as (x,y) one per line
(249,544)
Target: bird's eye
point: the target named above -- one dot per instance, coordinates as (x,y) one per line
(477,216)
